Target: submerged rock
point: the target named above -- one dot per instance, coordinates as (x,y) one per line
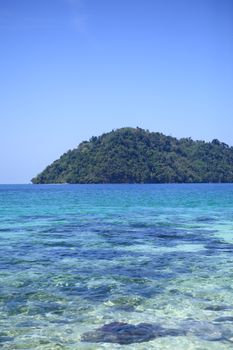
(216,308)
(4,338)
(224,319)
(204,330)
(124,333)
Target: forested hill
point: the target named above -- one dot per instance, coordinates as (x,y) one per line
(134,155)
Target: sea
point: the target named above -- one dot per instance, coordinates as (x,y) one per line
(88,267)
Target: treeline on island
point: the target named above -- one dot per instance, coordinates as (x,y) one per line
(134,155)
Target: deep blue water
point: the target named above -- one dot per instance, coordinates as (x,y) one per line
(112,266)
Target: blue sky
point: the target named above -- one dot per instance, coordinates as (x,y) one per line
(71,69)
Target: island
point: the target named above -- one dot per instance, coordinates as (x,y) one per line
(135,155)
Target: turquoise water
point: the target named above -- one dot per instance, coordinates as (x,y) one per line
(116,267)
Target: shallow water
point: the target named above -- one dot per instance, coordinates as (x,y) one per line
(78,261)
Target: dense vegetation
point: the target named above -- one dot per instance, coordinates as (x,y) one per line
(131,155)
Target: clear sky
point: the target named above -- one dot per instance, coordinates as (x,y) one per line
(71,69)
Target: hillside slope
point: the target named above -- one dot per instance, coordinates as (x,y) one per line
(134,155)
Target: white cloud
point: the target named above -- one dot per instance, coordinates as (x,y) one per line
(79,23)
(78,16)
(74,2)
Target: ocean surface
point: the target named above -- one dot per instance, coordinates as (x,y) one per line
(116,267)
